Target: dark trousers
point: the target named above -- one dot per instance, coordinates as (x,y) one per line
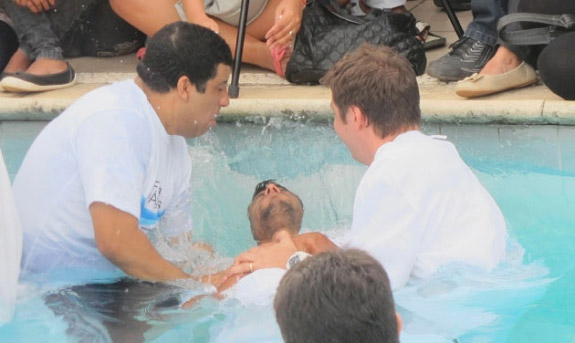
(8,44)
(553,60)
(73,28)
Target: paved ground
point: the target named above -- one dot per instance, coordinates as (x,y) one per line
(263,92)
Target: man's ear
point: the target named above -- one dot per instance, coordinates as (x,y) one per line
(356,116)
(399,322)
(184,87)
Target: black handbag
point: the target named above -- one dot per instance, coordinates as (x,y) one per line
(328,32)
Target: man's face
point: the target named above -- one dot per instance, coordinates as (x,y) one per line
(344,130)
(267,205)
(202,108)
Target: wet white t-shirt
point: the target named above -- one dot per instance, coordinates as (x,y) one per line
(419,207)
(110,147)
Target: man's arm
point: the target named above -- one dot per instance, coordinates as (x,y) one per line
(276,255)
(314,243)
(120,240)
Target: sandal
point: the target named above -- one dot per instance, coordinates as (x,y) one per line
(429,39)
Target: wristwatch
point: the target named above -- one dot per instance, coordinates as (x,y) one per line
(296,258)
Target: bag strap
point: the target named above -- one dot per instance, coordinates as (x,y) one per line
(556,26)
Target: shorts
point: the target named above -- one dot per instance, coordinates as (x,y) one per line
(228,10)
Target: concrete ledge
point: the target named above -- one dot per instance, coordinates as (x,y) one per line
(265,94)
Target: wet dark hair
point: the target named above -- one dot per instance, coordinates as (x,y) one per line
(183,49)
(339,296)
(277,215)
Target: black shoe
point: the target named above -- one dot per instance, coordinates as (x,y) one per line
(29,83)
(467,56)
(457,5)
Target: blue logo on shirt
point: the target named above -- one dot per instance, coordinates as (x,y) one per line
(149,218)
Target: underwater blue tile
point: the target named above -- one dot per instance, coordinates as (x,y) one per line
(15,139)
(476,143)
(530,146)
(567,148)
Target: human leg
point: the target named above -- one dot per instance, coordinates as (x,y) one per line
(39,53)
(145,15)
(469,54)
(556,68)
(511,67)
(255,49)
(37,40)
(8,43)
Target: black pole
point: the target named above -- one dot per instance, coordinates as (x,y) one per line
(452,18)
(234,90)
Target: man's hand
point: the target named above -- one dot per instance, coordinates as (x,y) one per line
(37,6)
(286,25)
(271,255)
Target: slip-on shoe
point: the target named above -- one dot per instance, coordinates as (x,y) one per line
(28,83)
(480,84)
(3,75)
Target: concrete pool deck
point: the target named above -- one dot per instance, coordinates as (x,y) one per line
(264,93)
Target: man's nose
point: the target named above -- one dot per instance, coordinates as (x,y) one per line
(272,188)
(225,101)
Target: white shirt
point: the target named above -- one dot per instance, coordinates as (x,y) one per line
(419,206)
(109,147)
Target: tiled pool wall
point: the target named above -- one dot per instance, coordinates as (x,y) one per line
(545,146)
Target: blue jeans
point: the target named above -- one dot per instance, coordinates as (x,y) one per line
(40,34)
(486,13)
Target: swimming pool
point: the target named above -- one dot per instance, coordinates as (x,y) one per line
(530,171)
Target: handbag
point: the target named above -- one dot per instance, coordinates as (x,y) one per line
(552,26)
(328,32)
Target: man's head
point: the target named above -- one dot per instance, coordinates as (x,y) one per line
(193,64)
(381,85)
(274,208)
(338,296)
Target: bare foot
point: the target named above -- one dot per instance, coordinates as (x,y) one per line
(45,66)
(18,63)
(503,61)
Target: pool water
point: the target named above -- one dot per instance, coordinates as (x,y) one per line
(529,170)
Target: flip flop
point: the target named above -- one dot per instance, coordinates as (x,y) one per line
(434,41)
(278,54)
(429,39)
(29,83)
(422,30)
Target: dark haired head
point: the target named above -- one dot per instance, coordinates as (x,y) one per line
(339,296)
(381,83)
(183,49)
(270,214)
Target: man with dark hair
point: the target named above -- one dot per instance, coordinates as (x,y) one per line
(98,179)
(418,206)
(340,296)
(274,207)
